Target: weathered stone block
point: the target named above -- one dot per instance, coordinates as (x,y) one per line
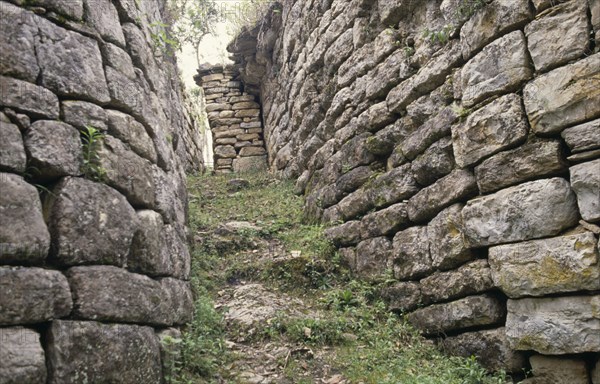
(458,185)
(24,238)
(558,370)
(102,16)
(252,151)
(127,172)
(542,267)
(90,223)
(247,113)
(17,35)
(175,251)
(384,222)
(465,313)
(225,151)
(121,353)
(583,137)
(558,35)
(500,67)
(353,179)
(492,21)
(490,347)
(531,160)
(497,126)
(585,181)
(132,132)
(446,239)
(33,295)
(54,149)
(554,325)
(12,151)
(470,279)
(411,257)
(402,297)
(564,97)
(29,98)
(437,161)
(245,105)
(118,59)
(250,164)
(434,129)
(391,187)
(146,254)
(531,210)
(21,357)
(373,257)
(82,114)
(595,373)
(344,234)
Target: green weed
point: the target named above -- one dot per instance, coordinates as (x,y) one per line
(92,140)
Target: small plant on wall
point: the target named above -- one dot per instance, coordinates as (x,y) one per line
(92,140)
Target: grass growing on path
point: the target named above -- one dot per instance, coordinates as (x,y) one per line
(352,329)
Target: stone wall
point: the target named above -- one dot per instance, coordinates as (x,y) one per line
(234,118)
(93,264)
(455,145)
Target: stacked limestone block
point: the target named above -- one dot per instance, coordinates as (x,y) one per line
(94,267)
(235,121)
(459,147)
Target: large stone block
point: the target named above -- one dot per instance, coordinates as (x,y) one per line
(551,369)
(531,210)
(492,21)
(33,295)
(446,239)
(120,354)
(28,98)
(373,257)
(146,254)
(12,151)
(564,97)
(132,132)
(584,137)
(118,59)
(54,149)
(139,46)
(490,347)
(434,129)
(384,222)
(344,234)
(17,42)
(585,181)
(90,223)
(436,162)
(458,185)
(465,313)
(402,297)
(21,357)
(411,255)
(500,67)
(497,126)
(554,325)
(250,164)
(391,187)
(470,279)
(558,35)
(127,172)
(531,160)
(102,16)
(82,114)
(542,267)
(24,237)
(175,251)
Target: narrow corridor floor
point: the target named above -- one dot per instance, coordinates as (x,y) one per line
(275,303)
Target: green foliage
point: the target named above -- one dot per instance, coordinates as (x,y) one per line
(441,36)
(193,20)
(467,8)
(92,140)
(162,42)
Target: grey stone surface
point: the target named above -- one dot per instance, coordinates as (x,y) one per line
(352,180)
(70,359)
(384,222)
(558,35)
(127,172)
(33,295)
(531,210)
(252,151)
(465,313)
(554,325)
(497,126)
(437,161)
(402,297)
(70,64)
(142,54)
(82,114)
(102,16)
(17,44)
(12,151)
(391,187)
(118,59)
(434,129)
(411,257)
(125,128)
(373,257)
(585,181)
(175,251)
(472,278)
(500,67)
(22,358)
(29,98)
(559,370)
(146,254)
(492,21)
(457,185)
(344,234)
(24,237)
(250,164)
(445,234)
(225,151)
(529,161)
(90,223)
(564,97)
(490,347)
(547,266)
(54,149)
(583,137)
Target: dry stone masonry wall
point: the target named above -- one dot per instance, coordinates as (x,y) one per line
(235,120)
(453,145)
(94,266)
